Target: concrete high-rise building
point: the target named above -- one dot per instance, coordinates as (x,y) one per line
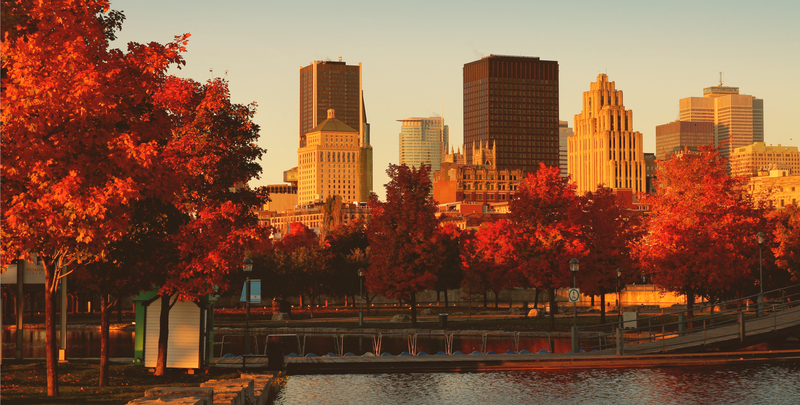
(605,149)
(738,119)
(423,140)
(749,160)
(511,102)
(329,85)
(564,132)
(679,135)
(328,164)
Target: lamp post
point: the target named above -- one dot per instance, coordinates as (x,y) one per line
(574,265)
(619,299)
(248,267)
(760,237)
(361,297)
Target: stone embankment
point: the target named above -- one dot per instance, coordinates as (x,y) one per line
(249,389)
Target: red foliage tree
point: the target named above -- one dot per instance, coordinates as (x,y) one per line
(488,257)
(608,231)
(545,215)
(787,239)
(700,234)
(403,259)
(79,139)
(451,273)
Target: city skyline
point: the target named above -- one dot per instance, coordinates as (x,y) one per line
(659,58)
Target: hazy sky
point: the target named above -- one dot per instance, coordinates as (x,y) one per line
(412,53)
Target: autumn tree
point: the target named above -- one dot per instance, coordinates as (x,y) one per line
(403,259)
(347,248)
(451,273)
(701,229)
(608,232)
(544,214)
(302,261)
(79,139)
(786,235)
(489,260)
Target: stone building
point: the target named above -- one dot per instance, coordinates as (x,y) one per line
(748,160)
(605,149)
(776,186)
(481,182)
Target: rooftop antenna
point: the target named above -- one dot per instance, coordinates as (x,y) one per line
(720,79)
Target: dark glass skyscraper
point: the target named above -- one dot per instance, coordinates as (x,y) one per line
(512,102)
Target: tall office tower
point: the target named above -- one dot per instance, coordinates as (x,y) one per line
(329,163)
(564,132)
(512,103)
(679,135)
(605,149)
(326,85)
(738,119)
(423,140)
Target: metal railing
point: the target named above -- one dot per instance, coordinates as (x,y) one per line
(697,330)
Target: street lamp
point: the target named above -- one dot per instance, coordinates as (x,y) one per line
(760,237)
(361,297)
(574,265)
(619,299)
(248,267)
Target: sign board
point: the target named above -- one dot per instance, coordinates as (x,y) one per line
(574,294)
(255,291)
(33,274)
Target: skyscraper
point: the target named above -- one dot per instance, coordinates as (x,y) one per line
(511,102)
(679,135)
(328,163)
(564,132)
(738,119)
(328,85)
(423,140)
(605,149)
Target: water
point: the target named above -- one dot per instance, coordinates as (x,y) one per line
(753,384)
(80,343)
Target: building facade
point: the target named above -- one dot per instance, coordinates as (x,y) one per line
(679,135)
(330,85)
(777,187)
(738,119)
(564,132)
(748,160)
(512,101)
(605,149)
(423,140)
(328,164)
(311,215)
(478,183)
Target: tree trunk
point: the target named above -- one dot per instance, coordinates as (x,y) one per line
(301,300)
(413,310)
(536,297)
(496,299)
(311,304)
(602,307)
(551,292)
(163,336)
(690,310)
(50,326)
(104,314)
(445,298)
(485,295)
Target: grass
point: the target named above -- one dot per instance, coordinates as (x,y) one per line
(24,382)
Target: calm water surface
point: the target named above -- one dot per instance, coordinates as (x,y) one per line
(755,384)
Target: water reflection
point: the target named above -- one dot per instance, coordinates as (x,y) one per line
(80,343)
(774,384)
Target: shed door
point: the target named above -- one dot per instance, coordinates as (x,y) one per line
(183,348)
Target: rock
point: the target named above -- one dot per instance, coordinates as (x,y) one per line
(281,316)
(427,311)
(534,313)
(400,318)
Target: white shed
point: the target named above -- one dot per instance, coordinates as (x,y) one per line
(189,334)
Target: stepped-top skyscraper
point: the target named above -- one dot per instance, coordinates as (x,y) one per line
(423,140)
(738,119)
(330,85)
(511,102)
(605,149)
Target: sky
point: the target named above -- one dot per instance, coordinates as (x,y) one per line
(412,54)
